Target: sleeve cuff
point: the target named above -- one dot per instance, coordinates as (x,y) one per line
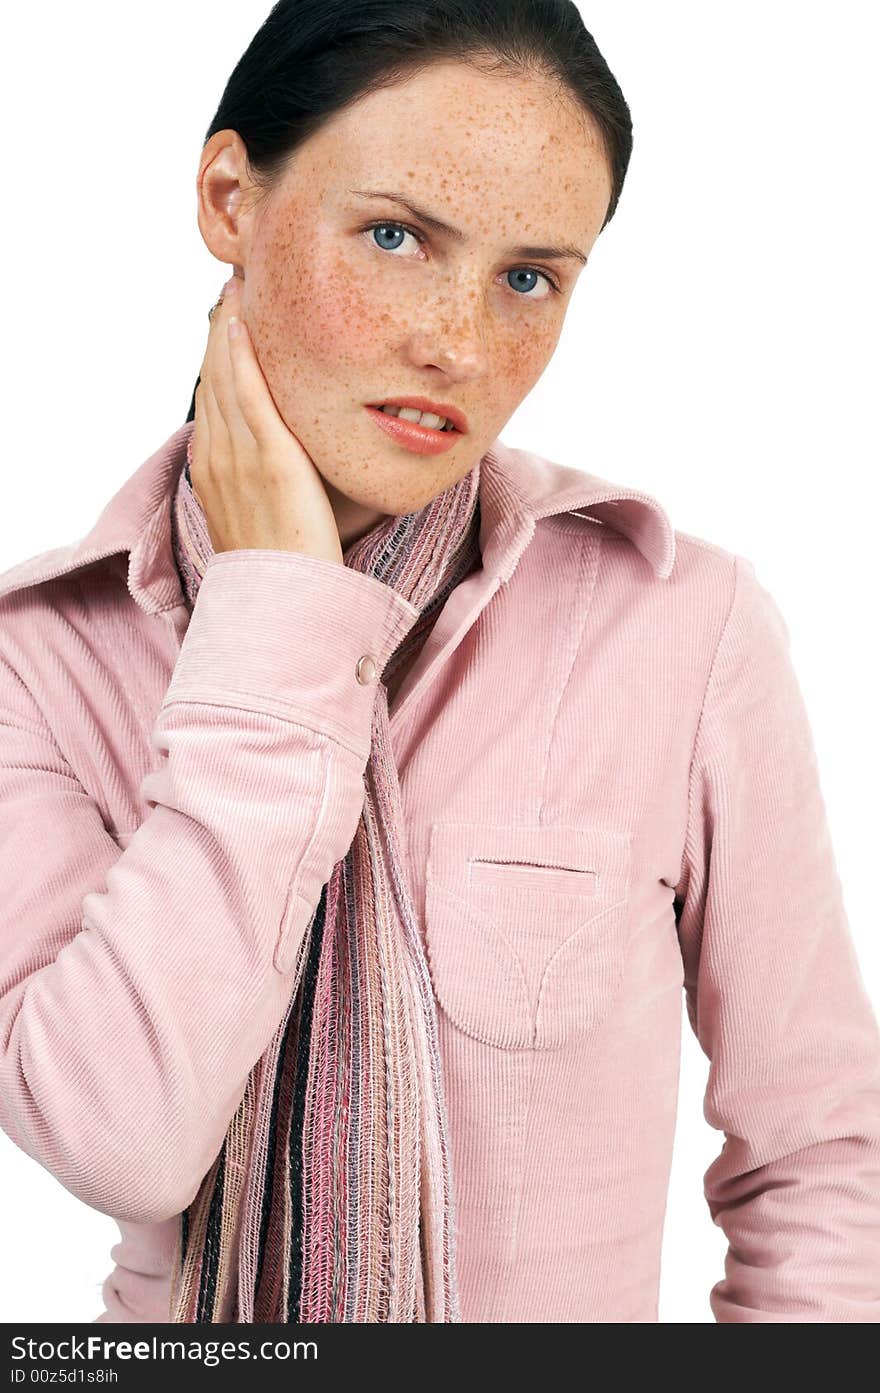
(285,632)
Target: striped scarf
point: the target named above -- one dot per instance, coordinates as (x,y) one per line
(332,1199)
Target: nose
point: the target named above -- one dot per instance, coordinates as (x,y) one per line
(460,360)
(450,339)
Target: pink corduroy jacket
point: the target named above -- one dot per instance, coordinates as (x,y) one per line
(611,797)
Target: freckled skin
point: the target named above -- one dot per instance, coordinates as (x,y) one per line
(339,318)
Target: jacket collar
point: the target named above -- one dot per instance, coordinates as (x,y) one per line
(518,488)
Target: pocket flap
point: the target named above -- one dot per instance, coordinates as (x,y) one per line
(522,947)
(591,861)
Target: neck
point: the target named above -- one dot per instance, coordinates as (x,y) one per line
(353,520)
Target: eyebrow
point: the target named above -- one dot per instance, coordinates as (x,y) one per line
(547,253)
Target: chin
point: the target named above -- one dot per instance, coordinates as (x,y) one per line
(398,499)
(399,504)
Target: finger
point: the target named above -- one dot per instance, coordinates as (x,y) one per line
(211,438)
(213,314)
(219,458)
(201,436)
(223,380)
(254,403)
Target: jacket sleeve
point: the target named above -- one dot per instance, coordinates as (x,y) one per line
(138,989)
(775,996)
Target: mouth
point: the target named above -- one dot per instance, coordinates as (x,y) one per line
(420,425)
(435,415)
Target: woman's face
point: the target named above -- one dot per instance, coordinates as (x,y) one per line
(342,314)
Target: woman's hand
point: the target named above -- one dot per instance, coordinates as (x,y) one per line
(253,479)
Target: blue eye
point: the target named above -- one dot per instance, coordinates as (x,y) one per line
(530,271)
(396,229)
(392,227)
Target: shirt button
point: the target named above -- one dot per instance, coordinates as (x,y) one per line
(366,669)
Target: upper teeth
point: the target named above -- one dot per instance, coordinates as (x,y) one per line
(424,418)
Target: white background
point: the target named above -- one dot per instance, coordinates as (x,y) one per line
(720,353)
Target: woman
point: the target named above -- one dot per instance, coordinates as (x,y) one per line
(348,1018)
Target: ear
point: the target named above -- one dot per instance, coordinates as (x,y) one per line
(221,185)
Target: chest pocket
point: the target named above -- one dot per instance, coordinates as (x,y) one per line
(526,928)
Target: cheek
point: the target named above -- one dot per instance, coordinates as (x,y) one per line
(520,358)
(318,311)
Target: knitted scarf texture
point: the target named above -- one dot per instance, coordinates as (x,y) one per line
(332,1198)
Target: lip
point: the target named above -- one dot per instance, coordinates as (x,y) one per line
(439,408)
(422,440)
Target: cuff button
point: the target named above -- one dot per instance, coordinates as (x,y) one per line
(366,669)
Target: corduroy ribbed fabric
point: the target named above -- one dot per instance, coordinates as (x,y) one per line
(611,797)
